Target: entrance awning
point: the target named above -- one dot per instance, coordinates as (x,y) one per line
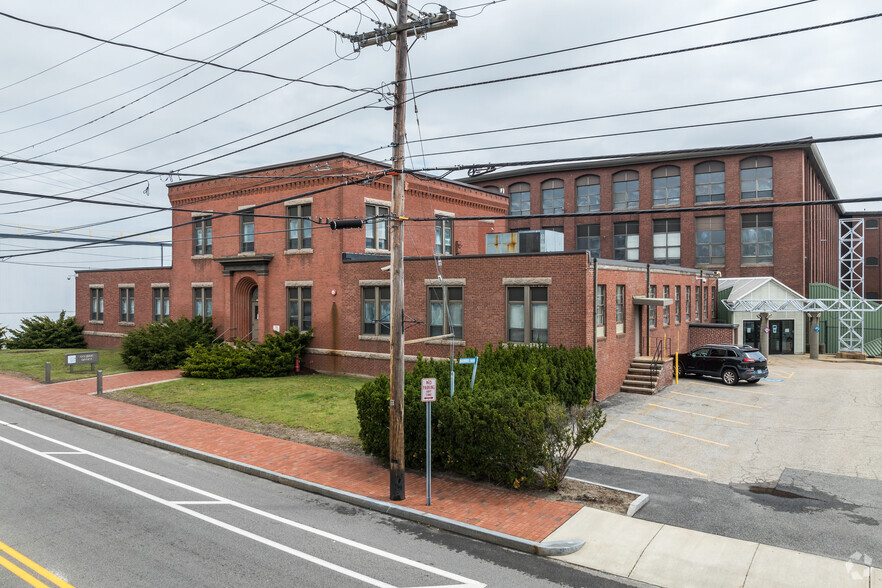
(647,301)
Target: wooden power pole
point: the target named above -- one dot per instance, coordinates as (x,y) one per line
(407,25)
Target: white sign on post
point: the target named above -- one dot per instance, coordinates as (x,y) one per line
(430,389)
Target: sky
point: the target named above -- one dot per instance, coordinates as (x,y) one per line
(169,102)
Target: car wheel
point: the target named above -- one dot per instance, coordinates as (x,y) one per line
(681,371)
(752,381)
(730,377)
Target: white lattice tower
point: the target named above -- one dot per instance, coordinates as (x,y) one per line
(851,284)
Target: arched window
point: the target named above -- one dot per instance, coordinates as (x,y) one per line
(666,186)
(710,182)
(626,189)
(519,199)
(756,178)
(587,194)
(492,189)
(552,196)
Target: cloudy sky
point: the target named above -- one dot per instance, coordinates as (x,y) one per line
(74,100)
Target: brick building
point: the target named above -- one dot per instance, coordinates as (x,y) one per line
(872,254)
(594,205)
(255,253)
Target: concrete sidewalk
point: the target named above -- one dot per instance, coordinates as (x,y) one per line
(648,552)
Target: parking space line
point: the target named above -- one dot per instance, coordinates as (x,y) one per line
(739,389)
(717,400)
(674,433)
(649,458)
(707,416)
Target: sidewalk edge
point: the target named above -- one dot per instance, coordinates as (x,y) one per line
(547,548)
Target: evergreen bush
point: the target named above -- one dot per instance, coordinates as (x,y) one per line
(273,358)
(163,345)
(41,332)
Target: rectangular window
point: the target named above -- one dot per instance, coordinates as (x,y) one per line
(698,303)
(626,190)
(688,304)
(666,186)
(706,302)
(588,239)
(552,197)
(300,307)
(757,236)
(620,308)
(96,296)
(126,305)
(443,236)
(202,302)
(527,315)
(376,228)
(666,311)
(588,194)
(246,231)
(600,308)
(710,240)
(626,241)
(756,178)
(666,241)
(677,306)
(202,236)
(652,311)
(713,302)
(160,304)
(710,182)
(376,310)
(299,226)
(440,321)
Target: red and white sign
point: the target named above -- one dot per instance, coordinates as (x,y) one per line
(430,389)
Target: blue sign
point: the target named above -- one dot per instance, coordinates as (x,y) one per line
(817,328)
(463,360)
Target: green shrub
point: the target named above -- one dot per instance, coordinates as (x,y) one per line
(41,332)
(163,345)
(509,429)
(2,336)
(273,358)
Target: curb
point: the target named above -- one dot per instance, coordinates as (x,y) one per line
(636,504)
(547,548)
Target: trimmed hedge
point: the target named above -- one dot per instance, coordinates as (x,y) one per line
(163,345)
(505,430)
(41,332)
(273,358)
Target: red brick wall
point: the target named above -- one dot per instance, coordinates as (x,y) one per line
(872,248)
(704,334)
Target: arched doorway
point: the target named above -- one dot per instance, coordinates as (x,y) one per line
(246,312)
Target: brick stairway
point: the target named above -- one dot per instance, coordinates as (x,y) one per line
(640,378)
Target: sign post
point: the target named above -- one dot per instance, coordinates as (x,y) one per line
(429,393)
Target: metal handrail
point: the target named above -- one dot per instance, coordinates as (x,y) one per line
(221,336)
(657,361)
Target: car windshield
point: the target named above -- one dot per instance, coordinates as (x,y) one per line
(755,355)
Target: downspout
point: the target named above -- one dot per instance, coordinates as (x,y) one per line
(646,309)
(594,327)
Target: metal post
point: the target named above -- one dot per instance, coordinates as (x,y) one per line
(764,333)
(100,382)
(428,454)
(814,327)
(48,374)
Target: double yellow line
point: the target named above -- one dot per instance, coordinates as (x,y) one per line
(33,567)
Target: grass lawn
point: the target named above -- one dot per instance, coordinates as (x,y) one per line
(314,402)
(30,364)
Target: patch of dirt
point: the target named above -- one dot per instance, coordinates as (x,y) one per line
(570,490)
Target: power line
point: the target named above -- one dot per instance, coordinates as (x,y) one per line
(654,55)
(608,41)
(177,57)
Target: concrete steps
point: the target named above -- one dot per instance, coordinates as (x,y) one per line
(641,377)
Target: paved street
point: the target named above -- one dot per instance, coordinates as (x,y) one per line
(85,508)
(792,462)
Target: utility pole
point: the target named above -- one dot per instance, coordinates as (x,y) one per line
(406,26)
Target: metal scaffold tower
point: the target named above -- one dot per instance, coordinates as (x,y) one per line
(851,284)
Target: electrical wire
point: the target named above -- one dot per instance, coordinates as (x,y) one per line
(177,57)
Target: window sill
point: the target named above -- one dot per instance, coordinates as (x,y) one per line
(126,324)
(378,251)
(206,256)
(373,338)
(763,199)
(247,254)
(298,251)
(620,335)
(456,342)
(662,206)
(94,322)
(765,264)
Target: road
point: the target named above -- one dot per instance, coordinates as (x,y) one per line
(86,509)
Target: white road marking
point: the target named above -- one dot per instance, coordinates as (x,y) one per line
(214,499)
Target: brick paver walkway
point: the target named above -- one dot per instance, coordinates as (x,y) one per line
(499,510)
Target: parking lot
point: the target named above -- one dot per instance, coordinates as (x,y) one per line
(811,415)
